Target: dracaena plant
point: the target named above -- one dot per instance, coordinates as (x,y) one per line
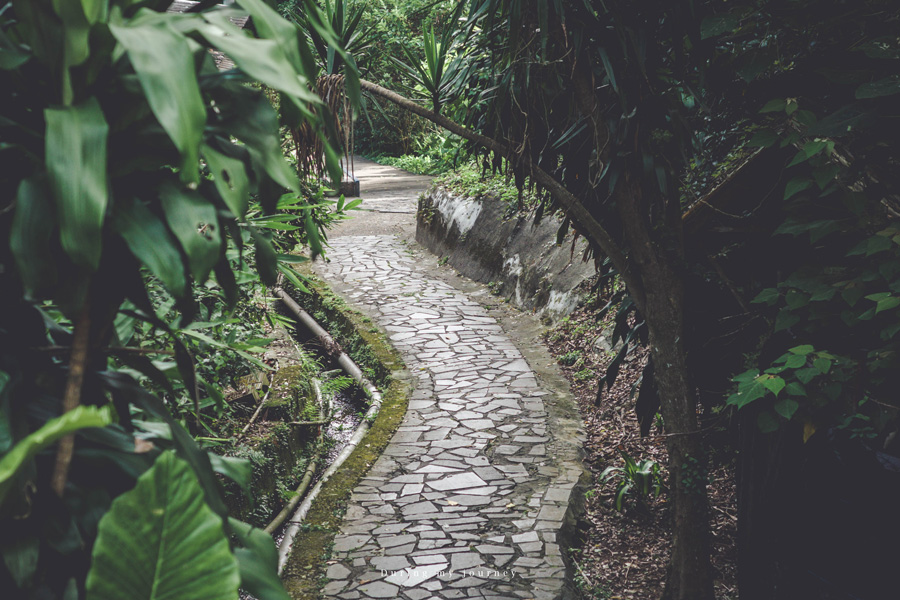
(637,479)
(129,159)
(444,69)
(352,37)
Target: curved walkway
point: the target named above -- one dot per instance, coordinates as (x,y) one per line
(471,495)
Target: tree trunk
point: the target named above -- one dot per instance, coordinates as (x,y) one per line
(659,260)
(689,575)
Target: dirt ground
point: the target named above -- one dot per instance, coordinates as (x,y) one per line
(624,554)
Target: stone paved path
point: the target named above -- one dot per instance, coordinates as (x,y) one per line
(470,496)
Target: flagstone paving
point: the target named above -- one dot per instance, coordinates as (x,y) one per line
(470,496)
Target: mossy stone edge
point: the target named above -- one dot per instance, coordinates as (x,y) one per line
(304,573)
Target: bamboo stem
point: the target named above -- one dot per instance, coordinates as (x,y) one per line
(284,549)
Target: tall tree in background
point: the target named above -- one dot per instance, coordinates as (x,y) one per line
(601,103)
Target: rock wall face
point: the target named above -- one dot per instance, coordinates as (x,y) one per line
(519,260)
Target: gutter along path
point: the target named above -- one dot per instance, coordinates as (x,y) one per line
(470,497)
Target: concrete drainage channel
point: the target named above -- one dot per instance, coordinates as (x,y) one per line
(310,520)
(353,370)
(305,530)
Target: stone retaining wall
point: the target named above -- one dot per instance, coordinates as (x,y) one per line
(519,260)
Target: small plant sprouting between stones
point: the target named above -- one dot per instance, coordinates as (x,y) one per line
(636,479)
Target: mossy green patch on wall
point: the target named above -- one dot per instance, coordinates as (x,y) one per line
(289,393)
(519,258)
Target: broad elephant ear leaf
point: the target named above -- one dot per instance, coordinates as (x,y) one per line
(161,540)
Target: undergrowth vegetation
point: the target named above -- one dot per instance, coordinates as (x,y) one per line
(147,203)
(472,180)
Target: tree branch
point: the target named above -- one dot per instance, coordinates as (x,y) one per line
(574,207)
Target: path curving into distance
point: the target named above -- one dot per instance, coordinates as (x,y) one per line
(470,497)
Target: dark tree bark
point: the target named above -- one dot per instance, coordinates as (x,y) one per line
(659,263)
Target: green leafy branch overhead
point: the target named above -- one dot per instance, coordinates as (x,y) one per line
(843,301)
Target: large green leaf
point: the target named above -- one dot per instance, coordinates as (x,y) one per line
(718,24)
(883,87)
(264,60)
(20,554)
(54,429)
(161,541)
(272,26)
(266,260)
(147,237)
(257,128)
(76,162)
(193,220)
(76,41)
(31,233)
(258,561)
(11,55)
(230,178)
(40,30)
(169,81)
(239,470)
(95,10)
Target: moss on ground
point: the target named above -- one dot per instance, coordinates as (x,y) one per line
(278,453)
(305,570)
(288,394)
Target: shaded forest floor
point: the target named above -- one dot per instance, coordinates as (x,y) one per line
(624,554)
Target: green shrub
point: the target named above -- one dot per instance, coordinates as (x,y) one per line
(639,480)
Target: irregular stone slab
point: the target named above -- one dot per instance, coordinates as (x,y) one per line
(350,542)
(457,482)
(379,589)
(337,571)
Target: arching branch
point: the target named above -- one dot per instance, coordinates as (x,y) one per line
(574,208)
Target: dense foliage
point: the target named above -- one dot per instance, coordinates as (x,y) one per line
(134,171)
(715,153)
(734,164)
